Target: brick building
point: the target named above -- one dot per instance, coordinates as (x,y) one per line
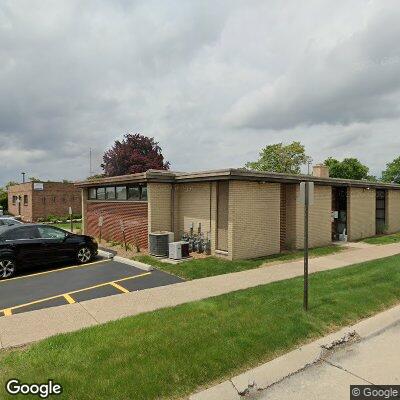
(33,201)
(246,214)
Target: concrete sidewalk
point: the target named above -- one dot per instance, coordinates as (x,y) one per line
(363,353)
(28,327)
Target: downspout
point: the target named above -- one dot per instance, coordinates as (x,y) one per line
(210,206)
(173,208)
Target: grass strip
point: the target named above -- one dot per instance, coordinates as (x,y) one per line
(175,351)
(211,266)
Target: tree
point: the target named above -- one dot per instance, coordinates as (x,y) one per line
(281,158)
(349,168)
(94,177)
(135,153)
(392,171)
(34,179)
(11,183)
(4,199)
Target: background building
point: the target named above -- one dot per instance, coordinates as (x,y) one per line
(246,214)
(33,201)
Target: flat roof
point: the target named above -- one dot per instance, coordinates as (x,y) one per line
(229,174)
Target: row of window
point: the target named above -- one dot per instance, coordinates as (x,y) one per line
(15,200)
(52,198)
(122,192)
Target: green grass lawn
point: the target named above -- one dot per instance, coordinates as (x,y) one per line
(67,225)
(384,239)
(210,266)
(175,351)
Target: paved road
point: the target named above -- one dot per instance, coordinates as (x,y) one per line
(376,360)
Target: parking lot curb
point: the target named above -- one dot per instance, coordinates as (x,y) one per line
(105,254)
(276,370)
(133,263)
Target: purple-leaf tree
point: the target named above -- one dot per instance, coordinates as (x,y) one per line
(135,153)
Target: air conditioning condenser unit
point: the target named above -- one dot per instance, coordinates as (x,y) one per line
(178,250)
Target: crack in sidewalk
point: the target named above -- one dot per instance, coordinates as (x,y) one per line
(347,371)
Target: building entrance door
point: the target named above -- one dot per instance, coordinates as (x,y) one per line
(339,213)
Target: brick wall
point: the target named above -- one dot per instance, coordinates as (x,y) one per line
(133,215)
(55,199)
(254,219)
(361,207)
(320,225)
(24,189)
(393,211)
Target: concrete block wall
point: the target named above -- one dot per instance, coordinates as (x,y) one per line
(320,225)
(393,211)
(361,210)
(254,219)
(291,206)
(160,215)
(195,203)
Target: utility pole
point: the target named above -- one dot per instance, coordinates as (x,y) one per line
(23,177)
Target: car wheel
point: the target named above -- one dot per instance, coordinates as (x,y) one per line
(7,267)
(84,255)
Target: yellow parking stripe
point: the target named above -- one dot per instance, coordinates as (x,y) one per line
(119,287)
(69,299)
(9,310)
(54,270)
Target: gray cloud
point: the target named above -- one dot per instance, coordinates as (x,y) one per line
(212,81)
(356,80)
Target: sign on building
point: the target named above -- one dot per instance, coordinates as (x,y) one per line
(302,198)
(38,186)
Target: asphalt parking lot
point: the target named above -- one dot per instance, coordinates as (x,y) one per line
(72,284)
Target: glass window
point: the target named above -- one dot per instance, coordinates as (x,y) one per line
(48,232)
(14,200)
(92,193)
(144,193)
(110,192)
(133,193)
(26,232)
(25,199)
(121,192)
(101,193)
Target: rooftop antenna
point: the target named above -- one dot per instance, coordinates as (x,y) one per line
(90,162)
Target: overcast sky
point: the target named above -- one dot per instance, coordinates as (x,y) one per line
(212,81)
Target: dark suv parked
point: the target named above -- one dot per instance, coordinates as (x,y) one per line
(23,246)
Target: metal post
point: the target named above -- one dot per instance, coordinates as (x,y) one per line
(70,219)
(306,209)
